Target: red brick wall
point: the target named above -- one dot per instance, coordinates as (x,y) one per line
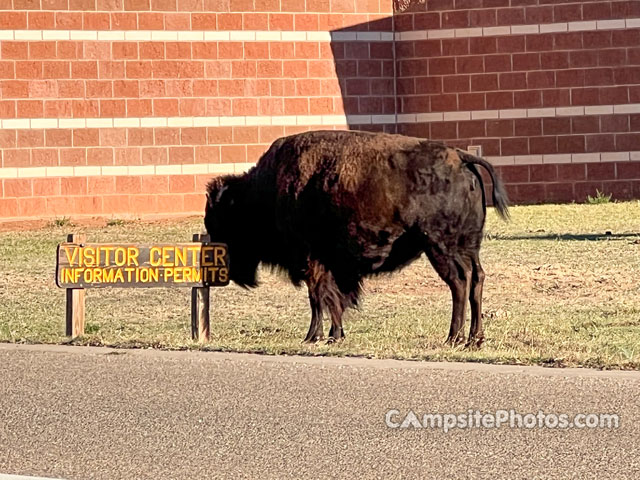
(549,89)
(127,108)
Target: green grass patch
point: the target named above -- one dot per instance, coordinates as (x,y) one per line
(562,289)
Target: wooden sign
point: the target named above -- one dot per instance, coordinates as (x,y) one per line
(125,265)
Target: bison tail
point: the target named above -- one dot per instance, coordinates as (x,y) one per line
(499,194)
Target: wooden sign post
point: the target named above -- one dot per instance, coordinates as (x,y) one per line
(198,265)
(200,330)
(75,300)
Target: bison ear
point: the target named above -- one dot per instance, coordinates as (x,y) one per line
(209,202)
(225,196)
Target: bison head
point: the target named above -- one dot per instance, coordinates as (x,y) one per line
(228,219)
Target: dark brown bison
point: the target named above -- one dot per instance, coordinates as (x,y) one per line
(332,207)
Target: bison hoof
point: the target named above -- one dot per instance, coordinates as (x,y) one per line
(455,340)
(332,340)
(474,343)
(315,339)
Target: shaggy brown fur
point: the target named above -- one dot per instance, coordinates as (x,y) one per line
(331,207)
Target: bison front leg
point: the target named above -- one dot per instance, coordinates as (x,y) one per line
(316,332)
(314,278)
(336,333)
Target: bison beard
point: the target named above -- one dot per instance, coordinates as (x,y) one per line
(332,207)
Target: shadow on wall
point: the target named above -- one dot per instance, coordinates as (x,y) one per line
(383,76)
(365,67)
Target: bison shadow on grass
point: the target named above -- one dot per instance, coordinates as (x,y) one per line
(332,207)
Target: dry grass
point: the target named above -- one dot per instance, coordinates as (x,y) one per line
(559,291)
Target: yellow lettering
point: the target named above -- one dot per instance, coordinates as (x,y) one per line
(107,256)
(166,257)
(118,277)
(73,256)
(120,256)
(195,251)
(180,257)
(132,256)
(154,257)
(223,275)
(108,275)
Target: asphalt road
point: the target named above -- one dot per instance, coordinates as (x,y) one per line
(83,413)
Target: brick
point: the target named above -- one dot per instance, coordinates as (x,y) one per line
(559,192)
(154,156)
(58,109)
(140,136)
(165,107)
(543,145)
(527,127)
(600,143)
(115,137)
(7,138)
(113,204)
(73,186)
(170,203)
(193,136)
(58,138)
(497,63)
(181,184)
(514,146)
(588,124)
(128,184)
(69,20)
(46,187)
(526,61)
(207,154)
(33,206)
(85,137)
(483,45)
(30,138)
(499,100)
(30,108)
(543,173)
(16,158)
(127,156)
(601,171)
(500,128)
(14,50)
(510,16)
(471,101)
(181,155)
(155,184)
(17,187)
(100,156)
(9,207)
(172,50)
(556,125)
(585,96)
(627,142)
(572,171)
(85,108)
(514,173)
(571,144)
(628,170)
(73,156)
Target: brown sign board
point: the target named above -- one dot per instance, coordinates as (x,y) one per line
(93,265)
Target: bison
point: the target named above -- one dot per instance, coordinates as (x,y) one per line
(330,208)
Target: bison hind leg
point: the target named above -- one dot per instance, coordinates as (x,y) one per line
(476,334)
(456,271)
